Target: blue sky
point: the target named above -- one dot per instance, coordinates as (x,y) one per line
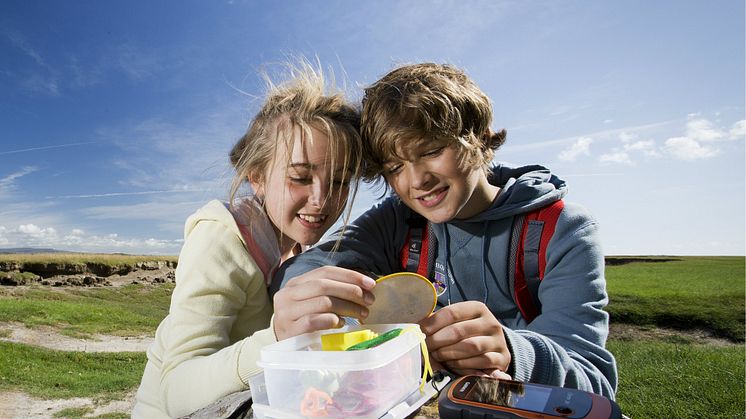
(116,117)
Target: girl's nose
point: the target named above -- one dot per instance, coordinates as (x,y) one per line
(318,193)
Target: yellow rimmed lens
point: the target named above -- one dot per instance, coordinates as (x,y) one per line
(403,297)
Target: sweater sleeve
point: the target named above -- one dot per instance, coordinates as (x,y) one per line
(369,244)
(565,344)
(218,321)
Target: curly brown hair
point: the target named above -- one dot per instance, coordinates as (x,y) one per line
(427,103)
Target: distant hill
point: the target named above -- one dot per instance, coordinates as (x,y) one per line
(30,250)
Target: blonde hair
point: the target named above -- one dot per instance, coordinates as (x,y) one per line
(303,101)
(427,103)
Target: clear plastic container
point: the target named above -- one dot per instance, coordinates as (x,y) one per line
(303,380)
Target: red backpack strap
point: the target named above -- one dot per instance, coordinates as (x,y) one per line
(415,255)
(530,255)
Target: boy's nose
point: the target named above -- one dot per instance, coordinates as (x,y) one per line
(419,176)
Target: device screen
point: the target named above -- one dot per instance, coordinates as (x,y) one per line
(503,393)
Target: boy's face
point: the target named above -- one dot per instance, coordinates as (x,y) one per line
(300,197)
(430,181)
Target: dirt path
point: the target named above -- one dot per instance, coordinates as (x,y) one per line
(48,337)
(16,405)
(20,405)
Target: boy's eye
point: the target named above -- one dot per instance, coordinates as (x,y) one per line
(434,152)
(341,183)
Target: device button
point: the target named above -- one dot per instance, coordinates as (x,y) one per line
(563,410)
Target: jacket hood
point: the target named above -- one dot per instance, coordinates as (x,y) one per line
(212,211)
(522,189)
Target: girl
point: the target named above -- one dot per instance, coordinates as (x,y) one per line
(299,156)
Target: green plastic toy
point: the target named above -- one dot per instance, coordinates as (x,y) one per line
(370,343)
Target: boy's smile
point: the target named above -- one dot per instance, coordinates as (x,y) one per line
(433,198)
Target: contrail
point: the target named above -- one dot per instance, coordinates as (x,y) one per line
(45,147)
(106,195)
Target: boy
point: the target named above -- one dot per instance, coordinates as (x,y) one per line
(426,132)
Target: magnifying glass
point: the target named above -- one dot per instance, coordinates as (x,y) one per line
(403,297)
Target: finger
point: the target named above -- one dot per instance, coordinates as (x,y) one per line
(462,372)
(308,324)
(502,375)
(338,274)
(323,304)
(457,333)
(435,365)
(454,313)
(326,287)
(485,361)
(467,348)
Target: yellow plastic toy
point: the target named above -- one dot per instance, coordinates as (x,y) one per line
(343,340)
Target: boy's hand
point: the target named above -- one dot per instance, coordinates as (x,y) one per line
(318,299)
(467,339)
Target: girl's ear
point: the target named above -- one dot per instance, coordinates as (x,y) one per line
(256,185)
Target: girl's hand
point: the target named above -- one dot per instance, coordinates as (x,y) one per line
(318,299)
(466,338)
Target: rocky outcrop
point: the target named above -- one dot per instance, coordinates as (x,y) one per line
(50,269)
(86,274)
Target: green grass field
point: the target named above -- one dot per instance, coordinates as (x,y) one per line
(694,292)
(668,378)
(131,310)
(51,374)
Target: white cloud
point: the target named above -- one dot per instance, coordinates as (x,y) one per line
(32,235)
(700,138)
(627,137)
(647,147)
(624,154)
(700,129)
(37,232)
(580,146)
(686,148)
(617,156)
(738,131)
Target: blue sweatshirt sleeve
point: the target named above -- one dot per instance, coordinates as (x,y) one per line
(369,244)
(565,344)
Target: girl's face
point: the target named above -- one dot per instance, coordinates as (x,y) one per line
(301,198)
(431,182)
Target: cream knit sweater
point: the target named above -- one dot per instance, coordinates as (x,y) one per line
(219,319)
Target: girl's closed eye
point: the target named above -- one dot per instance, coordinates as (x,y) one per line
(299,176)
(301,180)
(393,168)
